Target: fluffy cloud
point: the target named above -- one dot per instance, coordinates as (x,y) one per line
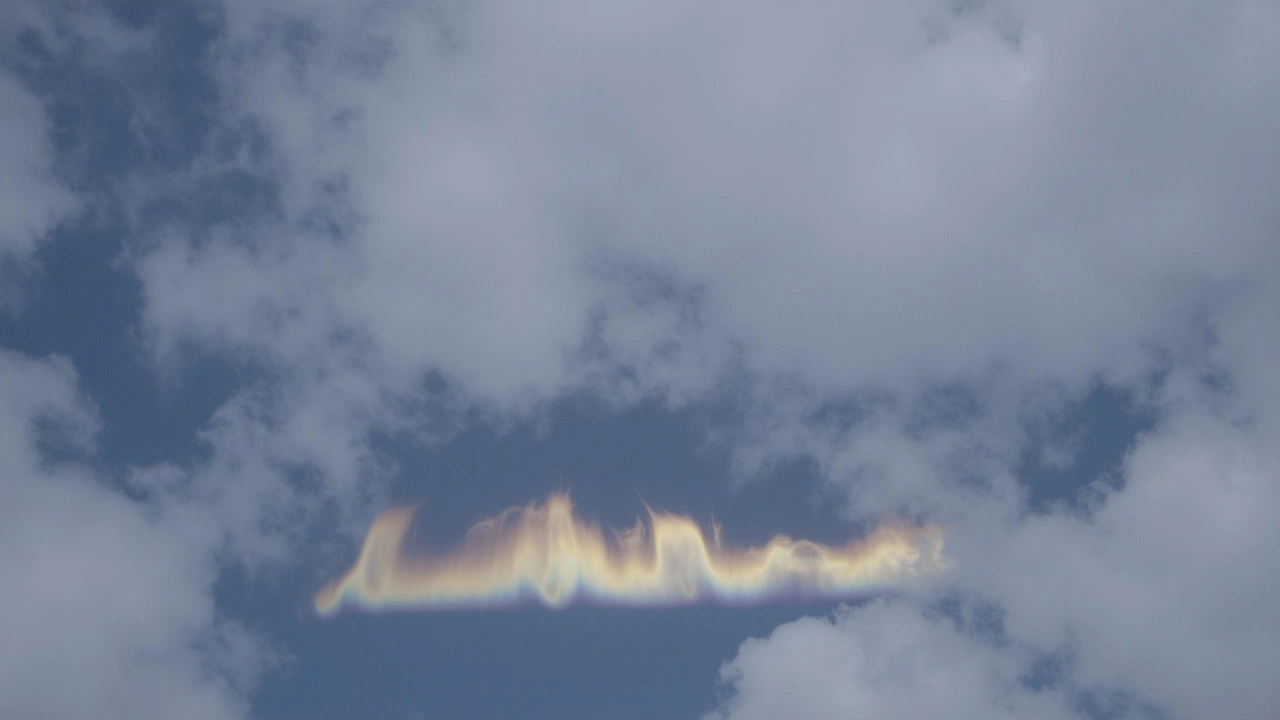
(1164,589)
(107,610)
(1156,593)
(32,200)
(885,195)
(879,661)
(41,183)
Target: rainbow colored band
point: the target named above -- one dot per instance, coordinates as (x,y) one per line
(544,553)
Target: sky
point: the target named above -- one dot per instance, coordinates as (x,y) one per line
(1007,271)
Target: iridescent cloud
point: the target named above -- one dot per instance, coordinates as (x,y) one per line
(545,553)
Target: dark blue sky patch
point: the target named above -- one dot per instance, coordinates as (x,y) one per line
(973,616)
(1047,670)
(580,662)
(149,109)
(1086,443)
(611,464)
(1113,704)
(85,308)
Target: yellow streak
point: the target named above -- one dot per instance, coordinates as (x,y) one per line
(545,553)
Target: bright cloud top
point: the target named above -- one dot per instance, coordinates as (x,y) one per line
(545,553)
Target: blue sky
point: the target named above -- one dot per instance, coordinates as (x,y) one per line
(1008,269)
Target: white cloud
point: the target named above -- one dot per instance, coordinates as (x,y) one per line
(32,199)
(1166,589)
(879,661)
(862,205)
(107,609)
(38,190)
(813,205)
(1161,590)
(877,197)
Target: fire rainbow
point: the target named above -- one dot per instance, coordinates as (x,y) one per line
(544,553)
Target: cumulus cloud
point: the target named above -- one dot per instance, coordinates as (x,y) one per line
(32,199)
(107,610)
(1155,591)
(880,661)
(41,187)
(884,194)
(1164,588)
(818,203)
